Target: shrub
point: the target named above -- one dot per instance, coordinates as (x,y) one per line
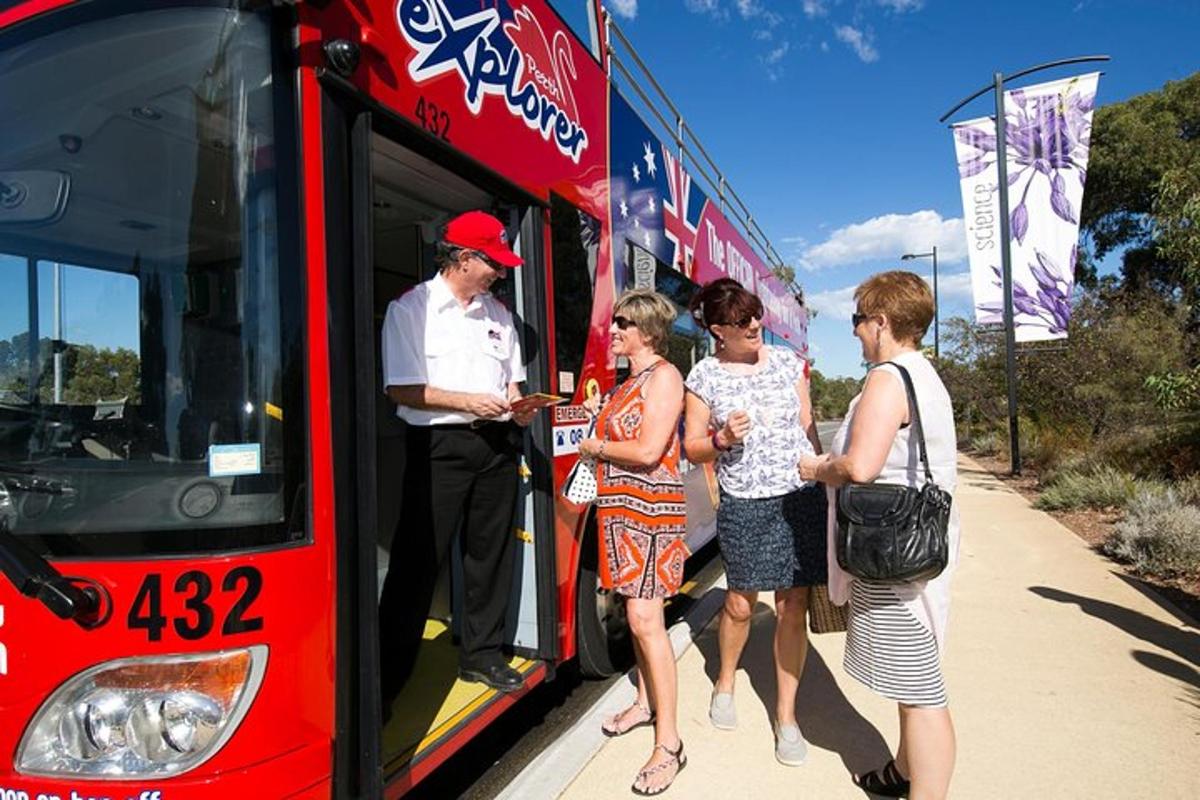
(1101,488)
(1160,534)
(987,444)
(1188,489)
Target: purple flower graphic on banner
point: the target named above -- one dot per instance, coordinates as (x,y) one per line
(1047,135)
(1049,304)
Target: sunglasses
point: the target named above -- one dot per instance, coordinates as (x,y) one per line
(745,321)
(857,319)
(623,323)
(491,262)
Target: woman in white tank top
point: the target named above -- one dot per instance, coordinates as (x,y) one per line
(896,631)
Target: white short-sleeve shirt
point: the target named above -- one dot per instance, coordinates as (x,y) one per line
(764,463)
(430,339)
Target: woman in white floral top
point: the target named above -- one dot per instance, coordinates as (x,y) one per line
(747,408)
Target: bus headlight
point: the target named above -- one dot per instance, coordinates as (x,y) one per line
(137,717)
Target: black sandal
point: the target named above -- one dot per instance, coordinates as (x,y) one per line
(611,726)
(886,781)
(677,759)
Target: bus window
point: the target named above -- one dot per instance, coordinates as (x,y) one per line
(165,405)
(575,242)
(688,343)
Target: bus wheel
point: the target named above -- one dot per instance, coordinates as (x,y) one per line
(601,630)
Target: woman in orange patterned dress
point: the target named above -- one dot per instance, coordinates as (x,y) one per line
(642,519)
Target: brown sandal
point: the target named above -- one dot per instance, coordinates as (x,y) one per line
(612,726)
(677,760)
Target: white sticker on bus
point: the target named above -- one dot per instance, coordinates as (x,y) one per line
(227,460)
(3,649)
(568,437)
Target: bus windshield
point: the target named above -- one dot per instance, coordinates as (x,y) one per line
(151,396)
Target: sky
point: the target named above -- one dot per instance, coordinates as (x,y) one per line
(99,308)
(823,115)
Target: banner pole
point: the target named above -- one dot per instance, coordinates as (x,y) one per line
(1010,332)
(937,350)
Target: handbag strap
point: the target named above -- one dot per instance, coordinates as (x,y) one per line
(916,416)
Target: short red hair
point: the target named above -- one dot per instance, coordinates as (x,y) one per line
(903,297)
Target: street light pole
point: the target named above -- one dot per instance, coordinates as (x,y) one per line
(937,352)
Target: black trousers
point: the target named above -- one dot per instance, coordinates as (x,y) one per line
(457,483)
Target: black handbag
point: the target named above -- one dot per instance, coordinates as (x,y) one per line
(891,533)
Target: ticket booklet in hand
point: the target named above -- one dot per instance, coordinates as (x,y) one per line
(533,401)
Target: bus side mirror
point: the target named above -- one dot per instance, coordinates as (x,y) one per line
(33,197)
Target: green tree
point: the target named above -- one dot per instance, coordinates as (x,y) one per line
(831,396)
(1142,190)
(96,374)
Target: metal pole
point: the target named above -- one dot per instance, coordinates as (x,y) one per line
(1010,333)
(58,315)
(34,346)
(937,353)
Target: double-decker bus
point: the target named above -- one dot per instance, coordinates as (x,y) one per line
(204,211)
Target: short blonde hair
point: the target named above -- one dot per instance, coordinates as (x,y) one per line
(903,297)
(652,313)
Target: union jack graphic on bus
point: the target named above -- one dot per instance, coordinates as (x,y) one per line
(678,225)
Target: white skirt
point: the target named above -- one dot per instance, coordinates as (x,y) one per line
(889,650)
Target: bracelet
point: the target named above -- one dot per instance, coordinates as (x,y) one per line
(600,449)
(716,443)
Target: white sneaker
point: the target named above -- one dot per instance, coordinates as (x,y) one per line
(790,748)
(722,711)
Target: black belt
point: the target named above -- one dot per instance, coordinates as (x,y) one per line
(473,425)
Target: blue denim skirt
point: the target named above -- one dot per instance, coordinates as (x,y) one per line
(771,543)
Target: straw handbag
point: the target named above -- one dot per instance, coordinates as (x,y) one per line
(823,615)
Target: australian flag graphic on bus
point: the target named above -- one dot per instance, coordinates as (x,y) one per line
(655,205)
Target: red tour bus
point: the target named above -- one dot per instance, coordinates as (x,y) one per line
(204,211)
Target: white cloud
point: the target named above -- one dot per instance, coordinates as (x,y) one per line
(839,303)
(625,8)
(773,61)
(901,6)
(862,43)
(885,238)
(833,304)
(815,8)
(824,47)
(957,284)
(702,6)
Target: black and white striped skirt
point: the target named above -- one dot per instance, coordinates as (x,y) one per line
(889,650)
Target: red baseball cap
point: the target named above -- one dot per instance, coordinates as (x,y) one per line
(476,230)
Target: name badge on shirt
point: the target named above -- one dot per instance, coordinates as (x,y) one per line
(494,345)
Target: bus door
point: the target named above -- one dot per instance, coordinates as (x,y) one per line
(403,192)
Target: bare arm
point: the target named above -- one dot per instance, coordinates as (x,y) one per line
(881,410)
(514,394)
(697,420)
(424,397)
(663,394)
(807,422)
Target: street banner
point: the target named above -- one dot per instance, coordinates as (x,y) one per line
(1049,129)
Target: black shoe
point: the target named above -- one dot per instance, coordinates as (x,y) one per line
(499,676)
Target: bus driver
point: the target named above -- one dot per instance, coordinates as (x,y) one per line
(452,365)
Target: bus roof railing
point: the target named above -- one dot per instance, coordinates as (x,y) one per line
(687,143)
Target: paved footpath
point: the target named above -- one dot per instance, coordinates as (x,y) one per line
(1065,681)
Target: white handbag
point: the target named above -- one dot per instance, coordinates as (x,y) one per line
(580,486)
